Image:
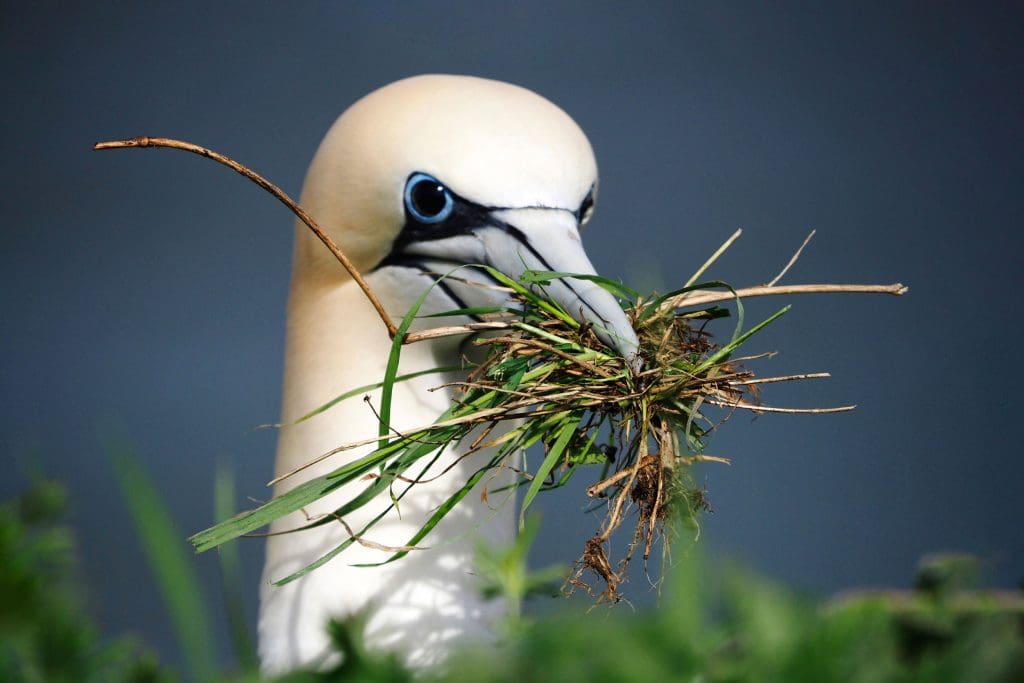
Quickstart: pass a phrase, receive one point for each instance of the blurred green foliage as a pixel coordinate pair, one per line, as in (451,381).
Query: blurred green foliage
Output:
(712,626)
(45,633)
(740,628)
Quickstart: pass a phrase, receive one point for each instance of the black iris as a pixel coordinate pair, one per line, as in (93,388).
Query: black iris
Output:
(426,199)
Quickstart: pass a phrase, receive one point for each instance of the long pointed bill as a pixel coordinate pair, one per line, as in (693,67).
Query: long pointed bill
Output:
(548,239)
(516,240)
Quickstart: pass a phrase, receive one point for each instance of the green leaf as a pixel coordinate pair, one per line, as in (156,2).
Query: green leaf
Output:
(439,514)
(231,574)
(330,555)
(532,297)
(552,458)
(172,567)
(724,352)
(653,305)
(391,371)
(478,310)
(544,277)
(370,387)
(298,497)
(414,451)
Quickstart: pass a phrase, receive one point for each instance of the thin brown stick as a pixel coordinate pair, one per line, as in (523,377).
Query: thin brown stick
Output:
(768,409)
(600,486)
(614,518)
(527,341)
(701,297)
(332,246)
(689,460)
(781,378)
(333,515)
(373,545)
(437,332)
(653,521)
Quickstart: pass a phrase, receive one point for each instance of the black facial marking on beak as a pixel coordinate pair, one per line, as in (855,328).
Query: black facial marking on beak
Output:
(434,212)
(443,231)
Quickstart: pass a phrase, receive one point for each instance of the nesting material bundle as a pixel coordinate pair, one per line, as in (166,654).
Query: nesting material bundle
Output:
(548,385)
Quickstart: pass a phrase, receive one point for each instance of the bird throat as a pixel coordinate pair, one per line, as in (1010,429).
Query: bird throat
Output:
(418,606)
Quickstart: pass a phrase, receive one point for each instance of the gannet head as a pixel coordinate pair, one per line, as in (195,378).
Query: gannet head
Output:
(433,172)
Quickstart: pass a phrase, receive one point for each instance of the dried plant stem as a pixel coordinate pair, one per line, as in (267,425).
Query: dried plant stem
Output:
(526,341)
(695,298)
(614,518)
(141,142)
(701,297)
(438,332)
(757,408)
(783,378)
(690,459)
(600,486)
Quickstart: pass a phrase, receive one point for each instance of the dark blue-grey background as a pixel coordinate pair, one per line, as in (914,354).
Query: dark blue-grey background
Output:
(146,289)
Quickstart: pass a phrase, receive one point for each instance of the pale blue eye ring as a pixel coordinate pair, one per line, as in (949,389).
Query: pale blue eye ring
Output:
(427,200)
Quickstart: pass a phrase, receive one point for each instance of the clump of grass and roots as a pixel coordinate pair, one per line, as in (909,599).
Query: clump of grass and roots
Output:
(552,379)
(638,433)
(548,380)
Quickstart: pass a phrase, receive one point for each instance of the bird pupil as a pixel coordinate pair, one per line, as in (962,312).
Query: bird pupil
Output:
(428,197)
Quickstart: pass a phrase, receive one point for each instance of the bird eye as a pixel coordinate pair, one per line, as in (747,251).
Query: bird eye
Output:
(586,208)
(426,199)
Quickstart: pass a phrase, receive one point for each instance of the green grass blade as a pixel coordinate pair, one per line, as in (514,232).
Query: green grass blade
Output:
(391,371)
(544,277)
(438,515)
(714,257)
(726,350)
(231,574)
(740,317)
(652,306)
(478,310)
(550,460)
(541,302)
(301,495)
(514,285)
(330,555)
(370,493)
(367,495)
(172,567)
(348,507)
(370,387)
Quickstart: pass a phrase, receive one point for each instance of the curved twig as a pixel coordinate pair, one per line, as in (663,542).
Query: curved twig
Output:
(331,245)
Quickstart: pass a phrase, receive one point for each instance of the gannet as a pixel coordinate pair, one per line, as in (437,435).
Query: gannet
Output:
(413,180)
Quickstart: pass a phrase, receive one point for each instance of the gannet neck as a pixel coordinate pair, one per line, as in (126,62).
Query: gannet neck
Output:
(427,600)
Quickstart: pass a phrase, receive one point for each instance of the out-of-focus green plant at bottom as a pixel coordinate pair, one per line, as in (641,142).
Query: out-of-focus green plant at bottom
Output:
(45,633)
(710,627)
(747,629)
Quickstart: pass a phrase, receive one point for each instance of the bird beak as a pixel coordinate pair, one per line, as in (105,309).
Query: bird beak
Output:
(516,240)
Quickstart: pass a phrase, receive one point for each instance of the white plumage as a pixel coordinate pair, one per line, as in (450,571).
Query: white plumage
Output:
(417,177)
